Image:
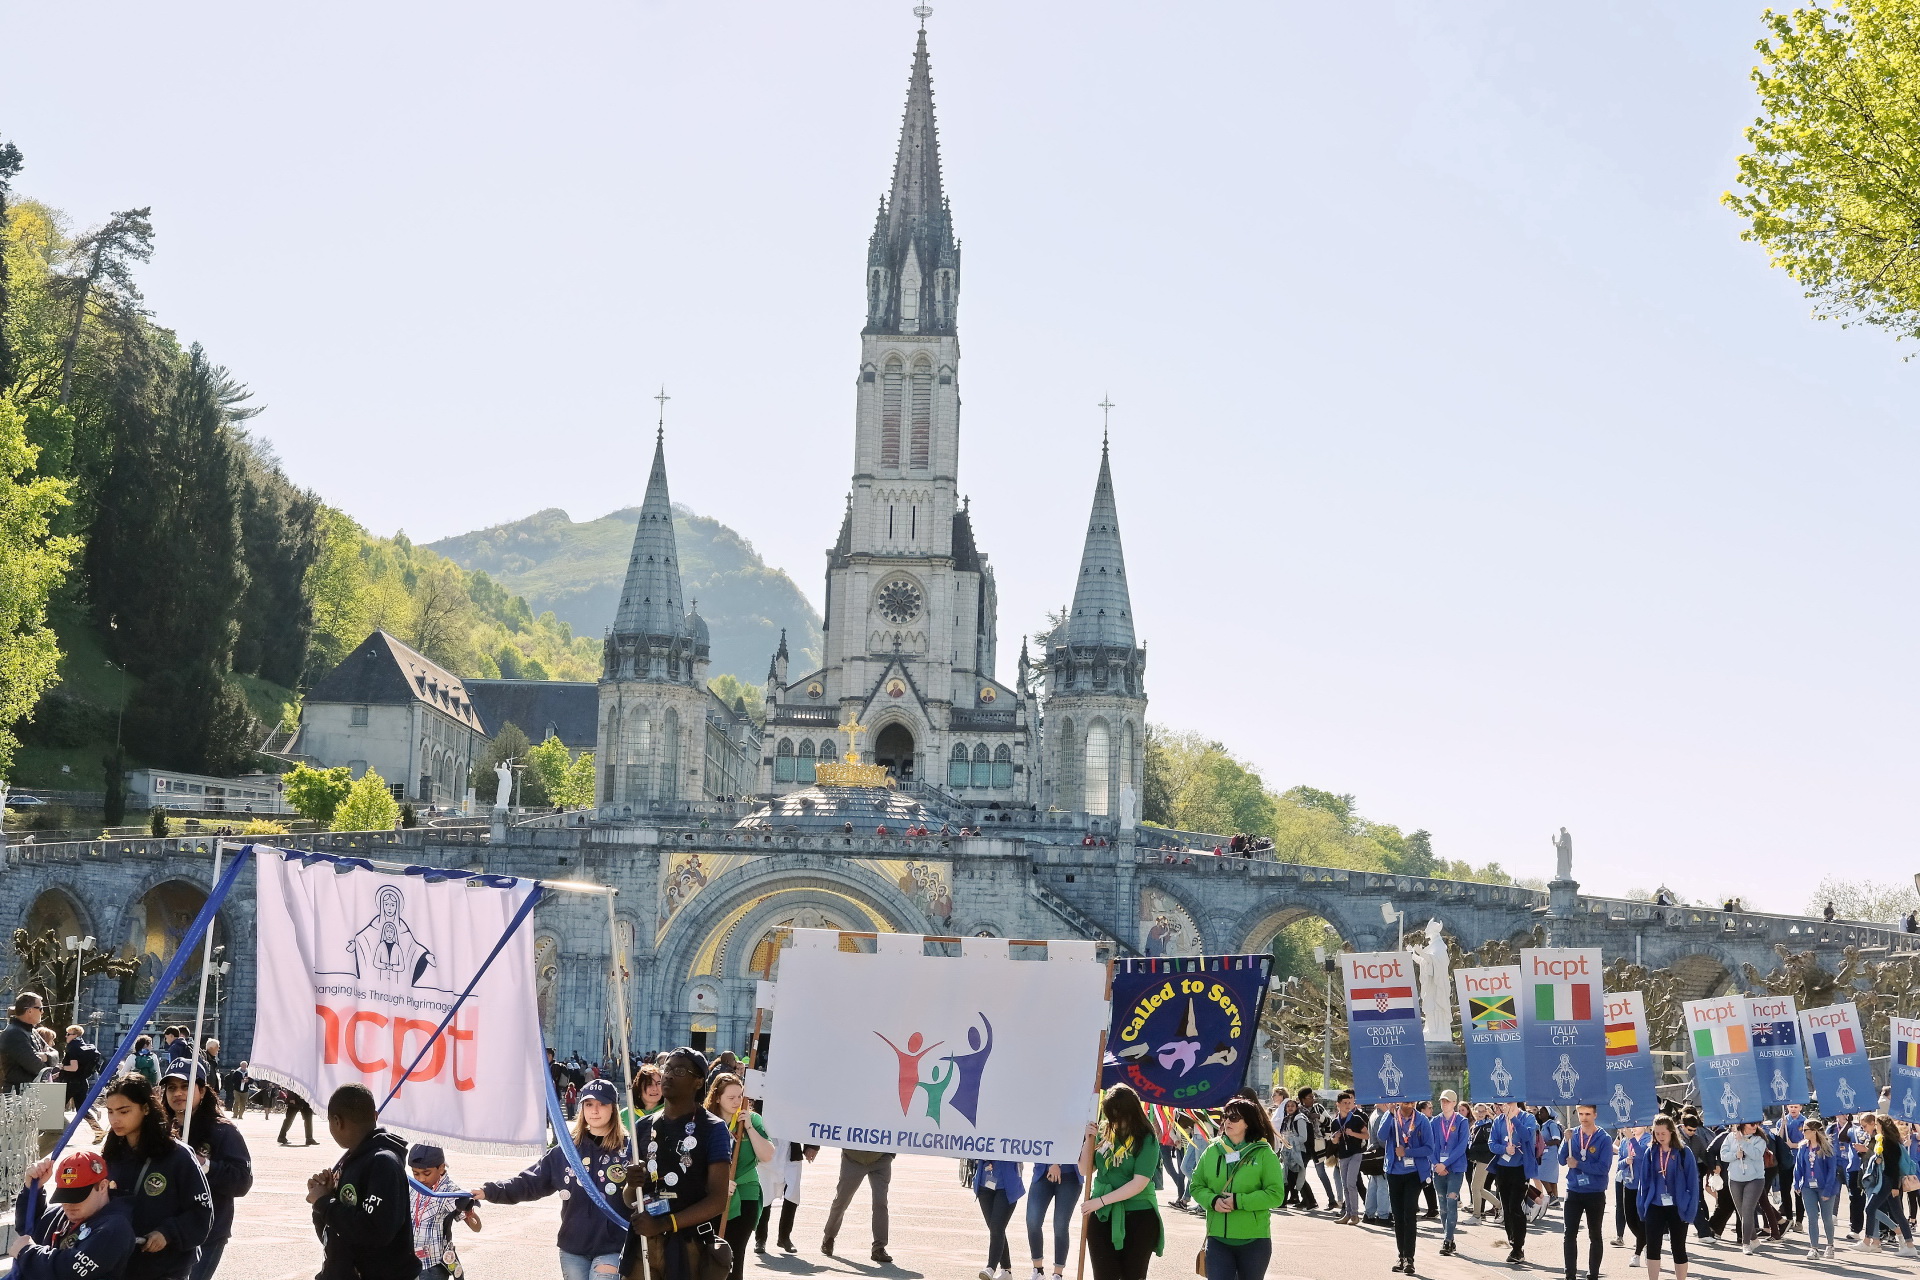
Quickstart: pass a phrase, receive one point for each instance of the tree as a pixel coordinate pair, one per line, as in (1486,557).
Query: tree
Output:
(369,806)
(550,761)
(733,691)
(41,962)
(280,538)
(105,279)
(509,746)
(1832,183)
(114,800)
(316,793)
(32,563)
(1864,900)
(10,164)
(577,792)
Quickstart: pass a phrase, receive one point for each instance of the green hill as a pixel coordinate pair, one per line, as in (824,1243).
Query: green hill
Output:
(575,569)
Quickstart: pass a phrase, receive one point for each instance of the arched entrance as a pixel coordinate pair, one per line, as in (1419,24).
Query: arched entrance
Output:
(155,927)
(894,749)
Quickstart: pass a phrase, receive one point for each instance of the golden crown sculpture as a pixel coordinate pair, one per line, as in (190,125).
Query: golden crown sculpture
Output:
(852,773)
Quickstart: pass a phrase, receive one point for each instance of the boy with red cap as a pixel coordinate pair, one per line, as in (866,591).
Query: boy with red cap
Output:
(82,1233)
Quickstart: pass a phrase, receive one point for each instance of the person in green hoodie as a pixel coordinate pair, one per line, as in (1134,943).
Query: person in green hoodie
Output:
(1117,1163)
(1241,1181)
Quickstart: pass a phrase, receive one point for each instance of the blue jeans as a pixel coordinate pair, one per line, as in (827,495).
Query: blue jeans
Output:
(1172,1160)
(1237,1259)
(580,1266)
(1063,1195)
(1447,1187)
(1820,1210)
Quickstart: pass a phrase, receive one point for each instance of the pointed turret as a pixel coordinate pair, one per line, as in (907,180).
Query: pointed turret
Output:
(913,261)
(1102,611)
(650,603)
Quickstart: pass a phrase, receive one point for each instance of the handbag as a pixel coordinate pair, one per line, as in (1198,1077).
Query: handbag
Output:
(1373,1161)
(1910,1182)
(1767,1160)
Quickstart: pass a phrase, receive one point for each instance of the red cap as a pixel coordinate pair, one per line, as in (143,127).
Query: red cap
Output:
(79,1173)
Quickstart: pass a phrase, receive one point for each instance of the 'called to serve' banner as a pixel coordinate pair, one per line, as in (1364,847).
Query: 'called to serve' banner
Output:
(1631,1075)
(1723,1069)
(357,969)
(1183,1026)
(981,1057)
(1383,1027)
(1903,1073)
(1774,1025)
(1490,1030)
(1561,1006)
(1837,1056)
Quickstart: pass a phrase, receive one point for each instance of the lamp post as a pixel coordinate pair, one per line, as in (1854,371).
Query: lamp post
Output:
(1393,915)
(79,947)
(220,968)
(1326,1054)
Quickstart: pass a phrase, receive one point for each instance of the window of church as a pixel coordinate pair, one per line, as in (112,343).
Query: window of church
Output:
(982,766)
(921,443)
(1002,767)
(783,761)
(829,751)
(1097,770)
(959,771)
(890,392)
(803,764)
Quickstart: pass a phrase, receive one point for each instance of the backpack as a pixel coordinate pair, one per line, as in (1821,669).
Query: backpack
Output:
(88,1059)
(144,1064)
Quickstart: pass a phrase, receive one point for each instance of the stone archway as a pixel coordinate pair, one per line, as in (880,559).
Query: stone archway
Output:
(60,911)
(893,747)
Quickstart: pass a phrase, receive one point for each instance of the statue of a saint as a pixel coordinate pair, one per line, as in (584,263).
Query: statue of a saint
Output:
(503,786)
(1436,988)
(1563,856)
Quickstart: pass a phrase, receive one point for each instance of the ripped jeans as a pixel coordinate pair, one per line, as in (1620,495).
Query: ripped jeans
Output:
(1447,1187)
(579,1266)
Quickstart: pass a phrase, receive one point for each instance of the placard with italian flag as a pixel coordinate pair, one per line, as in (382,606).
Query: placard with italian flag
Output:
(1773,1026)
(1837,1057)
(1631,1074)
(1562,999)
(1903,1068)
(1723,1063)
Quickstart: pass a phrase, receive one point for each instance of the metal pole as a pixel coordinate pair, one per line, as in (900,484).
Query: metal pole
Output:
(200,1010)
(79,967)
(620,996)
(1326,1062)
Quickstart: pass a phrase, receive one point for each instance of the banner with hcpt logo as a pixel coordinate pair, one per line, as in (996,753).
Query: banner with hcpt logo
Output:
(1561,1006)
(1723,1068)
(1490,1030)
(1773,1023)
(1183,1026)
(357,969)
(1837,1056)
(977,1058)
(1631,1074)
(1384,1034)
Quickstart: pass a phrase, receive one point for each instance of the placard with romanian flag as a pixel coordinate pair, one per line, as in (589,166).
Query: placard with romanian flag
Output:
(1490,1031)
(1384,1033)
(1723,1068)
(1903,1071)
(1837,1057)
(1562,1000)
(1773,1024)
(1631,1073)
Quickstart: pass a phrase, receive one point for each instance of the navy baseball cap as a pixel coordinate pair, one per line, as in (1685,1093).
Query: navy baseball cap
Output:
(600,1091)
(425,1156)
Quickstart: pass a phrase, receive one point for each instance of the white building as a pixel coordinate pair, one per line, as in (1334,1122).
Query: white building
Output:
(389,708)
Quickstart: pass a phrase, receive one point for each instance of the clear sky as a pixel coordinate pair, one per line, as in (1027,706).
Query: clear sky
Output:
(1467,460)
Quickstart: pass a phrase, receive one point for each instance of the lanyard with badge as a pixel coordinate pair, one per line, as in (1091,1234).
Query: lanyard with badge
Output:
(1666,1187)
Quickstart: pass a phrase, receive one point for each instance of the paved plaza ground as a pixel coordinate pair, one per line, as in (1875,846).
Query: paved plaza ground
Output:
(937,1234)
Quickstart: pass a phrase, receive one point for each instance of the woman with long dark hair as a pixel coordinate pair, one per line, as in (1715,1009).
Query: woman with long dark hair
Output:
(222,1152)
(1669,1196)
(1118,1161)
(590,1244)
(1239,1182)
(172,1209)
(1885,1167)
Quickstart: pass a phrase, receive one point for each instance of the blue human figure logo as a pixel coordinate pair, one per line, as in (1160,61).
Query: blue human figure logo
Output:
(970,1067)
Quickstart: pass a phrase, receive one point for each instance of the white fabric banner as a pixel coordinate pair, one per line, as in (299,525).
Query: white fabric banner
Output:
(976,1058)
(356,970)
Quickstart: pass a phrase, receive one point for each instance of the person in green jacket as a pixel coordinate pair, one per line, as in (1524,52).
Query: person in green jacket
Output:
(1117,1162)
(726,1098)
(1241,1181)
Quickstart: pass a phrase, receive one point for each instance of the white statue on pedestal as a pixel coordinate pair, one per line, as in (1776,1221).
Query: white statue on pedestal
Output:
(503,784)
(1436,988)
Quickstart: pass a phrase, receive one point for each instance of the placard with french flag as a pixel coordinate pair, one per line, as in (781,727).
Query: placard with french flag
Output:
(1562,1000)
(1837,1057)
(1631,1074)
(1723,1064)
(1903,1068)
(1773,1025)
(1490,1031)
(1388,1047)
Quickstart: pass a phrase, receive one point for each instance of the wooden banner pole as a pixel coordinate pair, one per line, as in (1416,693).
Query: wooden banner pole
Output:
(1086,1163)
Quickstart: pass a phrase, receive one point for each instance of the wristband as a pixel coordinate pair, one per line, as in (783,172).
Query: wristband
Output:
(673,1223)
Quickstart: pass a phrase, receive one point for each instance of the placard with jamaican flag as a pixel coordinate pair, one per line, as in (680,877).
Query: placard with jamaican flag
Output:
(1903,1070)
(1837,1057)
(1631,1073)
(1773,1022)
(1561,1005)
(1490,1030)
(1384,1033)
(1183,1026)
(1723,1069)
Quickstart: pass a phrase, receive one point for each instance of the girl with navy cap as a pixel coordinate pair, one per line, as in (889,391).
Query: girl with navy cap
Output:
(590,1242)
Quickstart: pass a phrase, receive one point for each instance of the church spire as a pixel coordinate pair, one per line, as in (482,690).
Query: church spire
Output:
(650,602)
(913,261)
(1102,610)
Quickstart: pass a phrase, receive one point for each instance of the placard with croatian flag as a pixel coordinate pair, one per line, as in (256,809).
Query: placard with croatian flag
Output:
(1723,1065)
(1903,1072)
(1561,1003)
(1773,1023)
(1837,1057)
(1490,1030)
(1631,1074)
(1388,1046)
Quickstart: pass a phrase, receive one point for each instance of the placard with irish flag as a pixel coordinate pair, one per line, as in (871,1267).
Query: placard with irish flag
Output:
(1631,1073)
(1562,999)
(1723,1066)
(1773,1024)
(1837,1057)
(1903,1069)
(1383,1027)
(1490,1031)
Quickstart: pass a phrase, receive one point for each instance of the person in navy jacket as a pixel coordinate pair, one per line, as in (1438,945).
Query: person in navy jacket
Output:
(222,1153)
(1451,1136)
(1669,1196)
(1407,1139)
(1511,1140)
(1586,1159)
(997,1186)
(161,1181)
(81,1232)
(590,1242)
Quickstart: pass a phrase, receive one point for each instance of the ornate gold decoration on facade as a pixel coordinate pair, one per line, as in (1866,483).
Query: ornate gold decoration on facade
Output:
(852,773)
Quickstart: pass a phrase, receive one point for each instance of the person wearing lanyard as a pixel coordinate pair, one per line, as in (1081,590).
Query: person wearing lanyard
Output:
(1511,1141)
(1793,1128)
(1449,1164)
(1117,1162)
(1409,1161)
(1351,1127)
(1586,1155)
(1241,1182)
(1669,1196)
(1817,1177)
(1629,1170)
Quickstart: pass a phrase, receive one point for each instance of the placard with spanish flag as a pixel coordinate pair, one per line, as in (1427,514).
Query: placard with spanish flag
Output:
(1561,1002)
(1773,1024)
(1903,1070)
(1837,1057)
(1490,1031)
(1723,1067)
(1631,1073)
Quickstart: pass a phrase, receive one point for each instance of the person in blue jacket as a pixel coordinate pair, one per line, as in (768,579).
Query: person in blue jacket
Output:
(1630,1156)
(161,1181)
(222,1153)
(1817,1180)
(1511,1141)
(1407,1143)
(1669,1196)
(996,1185)
(1451,1135)
(590,1242)
(81,1231)
(1586,1158)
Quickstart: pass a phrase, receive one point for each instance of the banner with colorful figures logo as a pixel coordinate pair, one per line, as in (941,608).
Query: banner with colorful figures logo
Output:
(977,1057)
(1183,1026)
(1384,1034)
(1773,1026)
(357,969)
(1631,1073)
(1723,1066)
(1837,1057)
(1903,1072)
(1561,1005)
(1490,1030)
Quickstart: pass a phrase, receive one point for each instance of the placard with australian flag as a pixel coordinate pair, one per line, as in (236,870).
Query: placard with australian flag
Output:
(1774,1023)
(1490,1031)
(1631,1074)
(1723,1068)
(1903,1071)
(1384,1032)
(1561,1008)
(1183,1026)
(1837,1056)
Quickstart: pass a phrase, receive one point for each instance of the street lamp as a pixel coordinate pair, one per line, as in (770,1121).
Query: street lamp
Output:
(220,968)
(1393,915)
(80,947)
(1325,962)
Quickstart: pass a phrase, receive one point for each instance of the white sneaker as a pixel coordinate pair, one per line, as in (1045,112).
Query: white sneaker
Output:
(1829,1254)
(1907,1250)
(1813,1254)
(1619,1241)
(1634,1261)
(1749,1247)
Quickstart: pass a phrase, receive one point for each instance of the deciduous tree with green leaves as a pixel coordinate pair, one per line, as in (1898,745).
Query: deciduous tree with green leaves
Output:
(316,793)
(32,563)
(369,806)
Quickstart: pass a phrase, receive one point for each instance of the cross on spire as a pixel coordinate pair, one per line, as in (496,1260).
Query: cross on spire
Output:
(1105,407)
(663,397)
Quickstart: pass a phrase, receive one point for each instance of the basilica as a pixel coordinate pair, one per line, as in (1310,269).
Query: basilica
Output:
(911,619)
